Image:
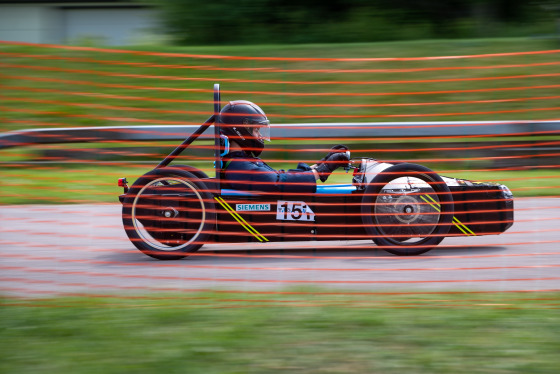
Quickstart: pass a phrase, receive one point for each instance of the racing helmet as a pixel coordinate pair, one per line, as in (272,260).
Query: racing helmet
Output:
(246,124)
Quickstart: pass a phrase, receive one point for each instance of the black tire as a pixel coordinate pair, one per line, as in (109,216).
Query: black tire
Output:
(407,209)
(169,213)
(197,172)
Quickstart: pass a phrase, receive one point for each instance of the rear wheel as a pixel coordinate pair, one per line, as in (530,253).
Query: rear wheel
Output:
(169,213)
(407,209)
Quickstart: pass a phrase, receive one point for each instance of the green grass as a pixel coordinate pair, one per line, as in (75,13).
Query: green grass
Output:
(43,87)
(224,333)
(98,183)
(86,182)
(88,88)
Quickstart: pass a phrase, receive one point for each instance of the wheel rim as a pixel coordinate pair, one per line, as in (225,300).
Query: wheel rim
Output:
(405,211)
(168,213)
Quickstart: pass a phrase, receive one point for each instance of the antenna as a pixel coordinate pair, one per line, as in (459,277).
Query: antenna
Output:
(217,99)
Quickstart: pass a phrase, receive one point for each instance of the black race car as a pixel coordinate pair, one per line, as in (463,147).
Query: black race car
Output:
(406,209)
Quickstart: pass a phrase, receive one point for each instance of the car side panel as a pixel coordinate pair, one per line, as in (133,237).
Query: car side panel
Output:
(481,209)
(289,218)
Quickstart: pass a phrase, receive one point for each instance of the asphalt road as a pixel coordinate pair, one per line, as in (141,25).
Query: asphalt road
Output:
(67,249)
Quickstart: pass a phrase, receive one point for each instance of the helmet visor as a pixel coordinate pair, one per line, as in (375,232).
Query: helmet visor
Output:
(261,129)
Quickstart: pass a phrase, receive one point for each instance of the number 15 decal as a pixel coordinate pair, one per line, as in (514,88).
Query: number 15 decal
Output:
(294,211)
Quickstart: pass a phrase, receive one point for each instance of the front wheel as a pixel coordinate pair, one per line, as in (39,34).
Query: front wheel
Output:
(407,209)
(169,213)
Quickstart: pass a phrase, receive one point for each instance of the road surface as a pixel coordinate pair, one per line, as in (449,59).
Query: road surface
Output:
(66,249)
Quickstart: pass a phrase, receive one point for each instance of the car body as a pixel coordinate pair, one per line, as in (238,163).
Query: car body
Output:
(406,209)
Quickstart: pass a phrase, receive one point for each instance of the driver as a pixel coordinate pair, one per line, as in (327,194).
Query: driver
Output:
(247,128)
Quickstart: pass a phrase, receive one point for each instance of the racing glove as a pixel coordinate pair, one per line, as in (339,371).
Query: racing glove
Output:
(336,149)
(330,163)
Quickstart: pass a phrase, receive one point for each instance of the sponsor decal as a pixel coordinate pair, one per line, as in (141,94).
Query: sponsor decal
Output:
(240,220)
(294,211)
(252,207)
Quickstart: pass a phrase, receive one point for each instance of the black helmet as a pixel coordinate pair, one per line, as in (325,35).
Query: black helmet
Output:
(238,121)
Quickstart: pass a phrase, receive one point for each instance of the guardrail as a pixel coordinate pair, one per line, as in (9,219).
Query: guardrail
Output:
(315,130)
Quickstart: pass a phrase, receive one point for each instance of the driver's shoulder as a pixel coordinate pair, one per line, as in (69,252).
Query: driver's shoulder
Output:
(242,160)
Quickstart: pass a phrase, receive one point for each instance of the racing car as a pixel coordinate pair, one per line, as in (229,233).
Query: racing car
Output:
(404,208)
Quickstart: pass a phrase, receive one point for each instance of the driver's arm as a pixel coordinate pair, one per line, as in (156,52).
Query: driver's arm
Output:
(337,157)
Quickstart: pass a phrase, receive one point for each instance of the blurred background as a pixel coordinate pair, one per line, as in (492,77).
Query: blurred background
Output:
(455,66)
(91,91)
(228,22)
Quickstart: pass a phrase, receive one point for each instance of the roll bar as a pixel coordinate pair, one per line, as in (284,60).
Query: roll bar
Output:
(212,120)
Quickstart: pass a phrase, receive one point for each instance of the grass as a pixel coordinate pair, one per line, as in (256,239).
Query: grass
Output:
(223,333)
(98,183)
(45,87)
